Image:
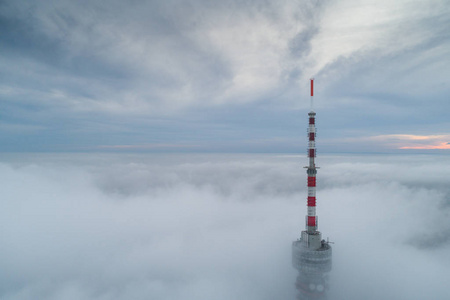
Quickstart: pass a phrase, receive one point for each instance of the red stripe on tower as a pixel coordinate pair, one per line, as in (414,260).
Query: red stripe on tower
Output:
(311,221)
(311,201)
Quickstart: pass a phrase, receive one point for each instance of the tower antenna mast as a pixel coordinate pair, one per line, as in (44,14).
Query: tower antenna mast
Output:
(311,255)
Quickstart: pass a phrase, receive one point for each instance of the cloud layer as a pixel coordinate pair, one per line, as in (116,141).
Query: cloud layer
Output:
(77,76)
(218,226)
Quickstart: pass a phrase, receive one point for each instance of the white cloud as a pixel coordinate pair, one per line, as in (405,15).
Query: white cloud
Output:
(105,226)
(374,29)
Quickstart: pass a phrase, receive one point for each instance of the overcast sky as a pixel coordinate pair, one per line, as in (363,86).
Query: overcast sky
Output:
(228,76)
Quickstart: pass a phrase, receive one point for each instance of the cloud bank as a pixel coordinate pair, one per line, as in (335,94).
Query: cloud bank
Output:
(76,76)
(107,226)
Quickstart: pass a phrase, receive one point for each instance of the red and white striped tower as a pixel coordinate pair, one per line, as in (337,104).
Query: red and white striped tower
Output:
(311,255)
(311,218)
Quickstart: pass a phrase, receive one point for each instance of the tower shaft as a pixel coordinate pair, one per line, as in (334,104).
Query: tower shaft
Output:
(311,218)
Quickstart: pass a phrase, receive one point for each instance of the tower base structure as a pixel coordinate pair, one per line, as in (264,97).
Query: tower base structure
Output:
(311,256)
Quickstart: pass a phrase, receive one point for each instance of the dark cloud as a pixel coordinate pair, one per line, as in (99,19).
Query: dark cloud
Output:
(309,15)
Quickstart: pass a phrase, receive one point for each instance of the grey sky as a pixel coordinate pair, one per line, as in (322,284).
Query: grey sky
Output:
(223,75)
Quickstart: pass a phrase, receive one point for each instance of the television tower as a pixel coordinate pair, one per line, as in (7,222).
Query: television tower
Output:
(311,255)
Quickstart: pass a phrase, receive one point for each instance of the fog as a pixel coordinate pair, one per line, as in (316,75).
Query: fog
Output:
(194,226)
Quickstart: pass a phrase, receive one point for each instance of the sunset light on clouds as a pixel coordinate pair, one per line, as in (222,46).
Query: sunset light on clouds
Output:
(410,141)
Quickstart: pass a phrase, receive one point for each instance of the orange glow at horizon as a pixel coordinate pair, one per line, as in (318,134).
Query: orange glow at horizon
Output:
(440,146)
(410,141)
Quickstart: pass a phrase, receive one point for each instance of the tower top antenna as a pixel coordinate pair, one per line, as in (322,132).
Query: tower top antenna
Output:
(312,94)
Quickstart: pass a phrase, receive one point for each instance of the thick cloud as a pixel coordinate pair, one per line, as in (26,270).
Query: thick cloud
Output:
(82,75)
(106,226)
(148,55)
